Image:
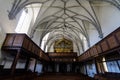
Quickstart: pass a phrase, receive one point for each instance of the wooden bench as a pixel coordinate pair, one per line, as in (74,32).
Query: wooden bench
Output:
(107,76)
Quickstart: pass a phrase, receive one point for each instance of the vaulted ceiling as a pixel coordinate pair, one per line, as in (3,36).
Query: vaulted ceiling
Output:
(68,18)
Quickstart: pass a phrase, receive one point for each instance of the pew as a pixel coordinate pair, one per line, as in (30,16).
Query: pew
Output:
(21,77)
(63,76)
(107,76)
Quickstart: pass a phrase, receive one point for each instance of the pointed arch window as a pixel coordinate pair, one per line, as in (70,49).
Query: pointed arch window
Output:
(27,18)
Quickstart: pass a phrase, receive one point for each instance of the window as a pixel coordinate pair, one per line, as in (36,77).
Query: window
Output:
(44,42)
(23,24)
(27,18)
(112,66)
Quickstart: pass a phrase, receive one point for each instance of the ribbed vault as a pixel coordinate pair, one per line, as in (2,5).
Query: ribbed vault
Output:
(68,18)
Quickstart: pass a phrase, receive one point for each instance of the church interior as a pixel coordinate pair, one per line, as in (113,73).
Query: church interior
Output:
(59,39)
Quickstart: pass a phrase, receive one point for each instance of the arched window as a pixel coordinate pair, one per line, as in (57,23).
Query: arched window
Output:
(44,40)
(27,18)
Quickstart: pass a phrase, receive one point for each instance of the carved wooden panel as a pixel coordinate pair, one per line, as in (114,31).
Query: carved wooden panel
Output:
(79,58)
(98,48)
(86,56)
(112,42)
(104,45)
(118,36)
(91,52)
(44,56)
(95,50)
(33,48)
(88,53)
(37,51)
(30,46)
(18,40)
(9,40)
(83,56)
(25,43)
(41,53)
(63,54)
(64,59)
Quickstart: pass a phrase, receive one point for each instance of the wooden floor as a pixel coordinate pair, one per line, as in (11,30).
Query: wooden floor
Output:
(63,76)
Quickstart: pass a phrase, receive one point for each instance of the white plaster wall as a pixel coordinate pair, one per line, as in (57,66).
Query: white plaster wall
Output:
(109,18)
(93,35)
(51,48)
(36,37)
(2,37)
(75,49)
(6,26)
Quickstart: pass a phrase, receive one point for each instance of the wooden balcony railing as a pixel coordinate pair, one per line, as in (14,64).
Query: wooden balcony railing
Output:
(22,41)
(105,46)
